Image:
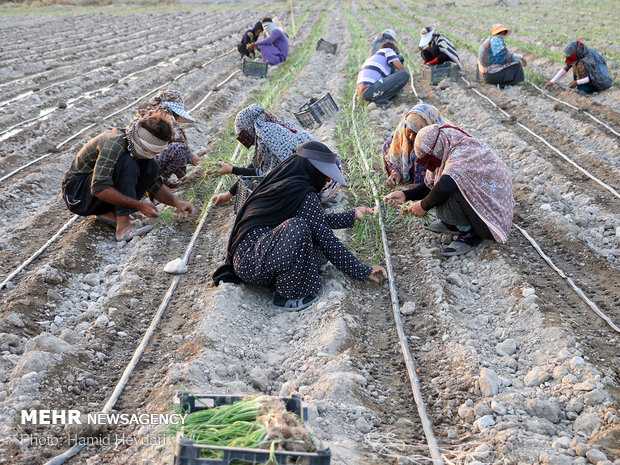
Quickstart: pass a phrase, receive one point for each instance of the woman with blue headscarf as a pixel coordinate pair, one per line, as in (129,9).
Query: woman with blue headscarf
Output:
(274,140)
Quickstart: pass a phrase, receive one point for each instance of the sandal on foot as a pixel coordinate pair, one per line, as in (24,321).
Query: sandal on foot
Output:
(463,244)
(133,232)
(442,228)
(105,220)
(293,305)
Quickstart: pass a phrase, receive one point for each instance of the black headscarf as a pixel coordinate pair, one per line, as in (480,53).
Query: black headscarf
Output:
(275,200)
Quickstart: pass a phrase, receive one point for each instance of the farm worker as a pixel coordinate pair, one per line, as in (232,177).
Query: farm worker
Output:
(274,48)
(398,153)
(250,36)
(590,72)
(496,64)
(382,75)
(436,49)
(172,160)
(113,171)
(274,141)
(281,235)
(388,34)
(468,184)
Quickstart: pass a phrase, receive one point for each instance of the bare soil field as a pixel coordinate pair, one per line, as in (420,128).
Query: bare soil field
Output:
(514,366)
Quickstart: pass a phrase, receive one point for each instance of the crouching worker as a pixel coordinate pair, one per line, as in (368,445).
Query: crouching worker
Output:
(282,236)
(113,171)
(274,48)
(398,152)
(590,72)
(436,49)
(467,183)
(496,64)
(249,37)
(382,75)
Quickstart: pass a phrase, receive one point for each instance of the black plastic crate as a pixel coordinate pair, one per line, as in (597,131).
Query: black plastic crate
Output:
(254,68)
(436,73)
(188,453)
(327,46)
(245,186)
(316,111)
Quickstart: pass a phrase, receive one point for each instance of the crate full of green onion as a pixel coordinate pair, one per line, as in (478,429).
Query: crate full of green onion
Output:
(236,430)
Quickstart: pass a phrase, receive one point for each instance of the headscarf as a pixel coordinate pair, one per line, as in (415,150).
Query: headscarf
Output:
(143,144)
(481,176)
(173,160)
(257,27)
(268,27)
(592,60)
(274,139)
(400,156)
(156,104)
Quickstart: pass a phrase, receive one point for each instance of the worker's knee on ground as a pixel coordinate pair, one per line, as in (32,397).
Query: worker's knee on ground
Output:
(298,230)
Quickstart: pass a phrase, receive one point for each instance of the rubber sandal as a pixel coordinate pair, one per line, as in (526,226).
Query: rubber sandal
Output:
(104,220)
(293,305)
(133,232)
(457,248)
(442,228)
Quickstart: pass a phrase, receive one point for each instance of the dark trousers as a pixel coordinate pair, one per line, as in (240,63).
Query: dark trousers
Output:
(432,53)
(131,177)
(386,88)
(456,211)
(509,76)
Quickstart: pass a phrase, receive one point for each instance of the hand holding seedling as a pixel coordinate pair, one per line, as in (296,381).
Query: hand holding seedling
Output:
(148,209)
(224,168)
(378,274)
(395,198)
(548,85)
(416,209)
(573,84)
(393,179)
(361,212)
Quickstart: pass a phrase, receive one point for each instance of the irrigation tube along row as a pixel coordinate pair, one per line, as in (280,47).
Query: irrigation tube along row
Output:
(72,220)
(111,115)
(534,244)
(544,141)
(409,361)
(109,405)
(587,113)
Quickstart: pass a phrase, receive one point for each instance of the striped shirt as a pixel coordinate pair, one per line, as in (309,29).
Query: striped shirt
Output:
(99,157)
(376,67)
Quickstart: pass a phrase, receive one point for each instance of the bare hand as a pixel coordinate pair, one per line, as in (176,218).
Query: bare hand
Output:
(250,46)
(395,198)
(523,62)
(361,212)
(221,198)
(417,210)
(224,168)
(184,207)
(573,84)
(148,209)
(393,179)
(549,85)
(378,274)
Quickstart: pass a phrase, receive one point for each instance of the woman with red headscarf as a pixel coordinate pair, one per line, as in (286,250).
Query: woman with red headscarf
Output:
(590,72)
(466,182)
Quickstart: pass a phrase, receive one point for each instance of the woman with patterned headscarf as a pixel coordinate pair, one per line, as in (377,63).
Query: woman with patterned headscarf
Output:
(274,140)
(590,72)
(398,153)
(467,183)
(168,103)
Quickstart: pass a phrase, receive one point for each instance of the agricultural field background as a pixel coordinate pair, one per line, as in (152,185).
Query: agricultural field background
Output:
(514,365)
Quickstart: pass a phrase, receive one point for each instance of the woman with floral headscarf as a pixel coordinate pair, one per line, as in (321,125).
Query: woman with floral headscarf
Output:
(274,141)
(467,183)
(168,103)
(590,72)
(398,153)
